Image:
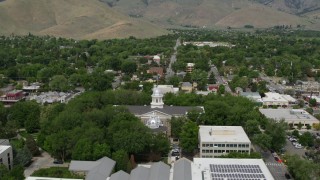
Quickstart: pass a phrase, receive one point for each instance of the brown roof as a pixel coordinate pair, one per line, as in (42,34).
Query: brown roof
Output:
(156,70)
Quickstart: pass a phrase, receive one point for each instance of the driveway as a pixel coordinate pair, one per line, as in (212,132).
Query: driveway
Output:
(43,161)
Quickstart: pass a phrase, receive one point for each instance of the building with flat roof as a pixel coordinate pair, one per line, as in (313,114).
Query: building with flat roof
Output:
(220,140)
(227,168)
(201,169)
(6,156)
(253,96)
(291,116)
(274,99)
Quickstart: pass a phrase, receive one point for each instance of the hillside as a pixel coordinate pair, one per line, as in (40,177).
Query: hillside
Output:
(221,13)
(80,19)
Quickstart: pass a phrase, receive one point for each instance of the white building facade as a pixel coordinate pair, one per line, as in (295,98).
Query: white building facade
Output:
(6,156)
(216,141)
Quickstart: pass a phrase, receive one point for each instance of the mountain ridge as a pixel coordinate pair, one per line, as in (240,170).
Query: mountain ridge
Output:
(77,19)
(217,13)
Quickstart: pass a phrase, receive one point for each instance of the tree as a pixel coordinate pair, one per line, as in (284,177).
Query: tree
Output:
(101,150)
(129,67)
(276,130)
(59,83)
(160,144)
(252,127)
(175,81)
(129,133)
(59,144)
(15,173)
(263,141)
(83,150)
(295,133)
(32,146)
(25,113)
(23,157)
(189,136)
(212,79)
(176,126)
(221,89)
(121,157)
(200,77)
(313,102)
(100,81)
(302,169)
(306,139)
(300,125)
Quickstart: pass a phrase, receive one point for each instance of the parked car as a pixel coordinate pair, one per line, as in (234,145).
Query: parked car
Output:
(293,139)
(287,175)
(298,146)
(174,153)
(57,161)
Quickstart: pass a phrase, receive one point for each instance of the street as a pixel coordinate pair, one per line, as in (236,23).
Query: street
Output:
(219,79)
(277,169)
(173,59)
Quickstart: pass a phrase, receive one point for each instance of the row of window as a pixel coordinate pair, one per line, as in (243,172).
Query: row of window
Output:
(224,151)
(226,145)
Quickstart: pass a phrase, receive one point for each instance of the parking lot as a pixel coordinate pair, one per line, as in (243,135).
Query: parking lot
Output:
(290,149)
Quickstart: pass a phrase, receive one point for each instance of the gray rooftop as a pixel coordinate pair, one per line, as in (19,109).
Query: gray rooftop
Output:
(171,110)
(186,84)
(102,170)
(182,170)
(159,171)
(96,170)
(140,173)
(4,142)
(81,165)
(288,114)
(120,175)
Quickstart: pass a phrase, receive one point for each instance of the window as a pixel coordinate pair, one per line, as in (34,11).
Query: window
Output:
(203,151)
(227,145)
(211,145)
(223,145)
(203,145)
